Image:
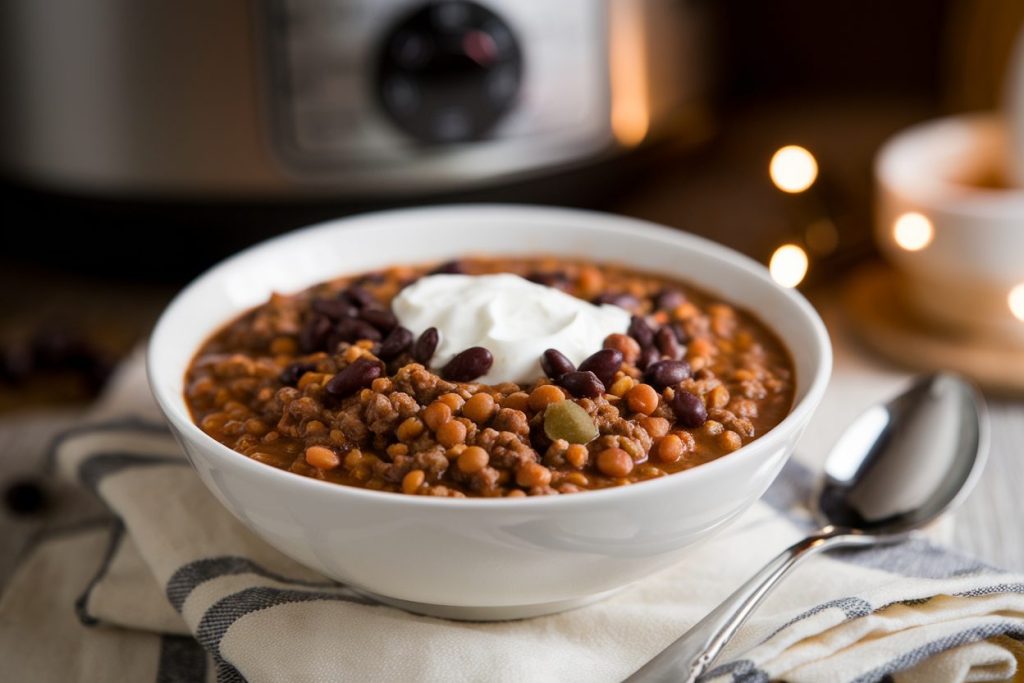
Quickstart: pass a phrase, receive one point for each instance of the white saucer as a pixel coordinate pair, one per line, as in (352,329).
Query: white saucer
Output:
(873,296)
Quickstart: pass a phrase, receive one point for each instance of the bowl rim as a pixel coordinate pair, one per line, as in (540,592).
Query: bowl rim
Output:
(175,409)
(907,151)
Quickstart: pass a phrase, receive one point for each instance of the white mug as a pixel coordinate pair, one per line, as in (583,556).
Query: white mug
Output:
(958,243)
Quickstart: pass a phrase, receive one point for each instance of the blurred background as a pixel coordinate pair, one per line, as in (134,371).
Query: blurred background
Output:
(141,141)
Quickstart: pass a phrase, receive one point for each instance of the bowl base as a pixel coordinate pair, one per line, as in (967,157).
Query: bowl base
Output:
(473,613)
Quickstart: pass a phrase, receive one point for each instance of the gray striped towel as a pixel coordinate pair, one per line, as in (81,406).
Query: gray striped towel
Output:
(176,589)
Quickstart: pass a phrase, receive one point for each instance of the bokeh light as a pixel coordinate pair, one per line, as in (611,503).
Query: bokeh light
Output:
(1016,301)
(788,265)
(793,169)
(913,231)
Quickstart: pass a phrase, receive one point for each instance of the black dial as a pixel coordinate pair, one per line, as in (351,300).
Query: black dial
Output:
(449,71)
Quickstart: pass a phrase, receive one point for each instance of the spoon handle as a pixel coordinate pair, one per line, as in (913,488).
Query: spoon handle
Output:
(689,656)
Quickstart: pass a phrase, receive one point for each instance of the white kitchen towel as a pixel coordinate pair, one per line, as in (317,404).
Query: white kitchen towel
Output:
(176,589)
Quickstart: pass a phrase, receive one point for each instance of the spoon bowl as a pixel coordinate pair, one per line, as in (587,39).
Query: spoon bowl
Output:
(903,463)
(896,468)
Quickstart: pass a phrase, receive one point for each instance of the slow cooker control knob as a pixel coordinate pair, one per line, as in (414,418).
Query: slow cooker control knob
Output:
(449,72)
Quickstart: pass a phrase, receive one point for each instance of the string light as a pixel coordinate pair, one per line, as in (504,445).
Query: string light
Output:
(793,169)
(788,265)
(913,231)
(1016,301)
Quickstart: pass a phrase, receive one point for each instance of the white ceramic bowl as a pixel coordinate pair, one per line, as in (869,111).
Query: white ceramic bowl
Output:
(479,558)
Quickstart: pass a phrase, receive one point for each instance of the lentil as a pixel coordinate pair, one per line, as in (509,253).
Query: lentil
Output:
(669,449)
(436,414)
(642,399)
(576,455)
(322,458)
(453,401)
(730,440)
(451,433)
(614,462)
(655,426)
(410,428)
(543,396)
(533,474)
(473,459)
(621,386)
(519,400)
(412,481)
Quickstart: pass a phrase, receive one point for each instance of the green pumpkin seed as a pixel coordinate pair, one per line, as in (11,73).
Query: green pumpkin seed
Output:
(567,420)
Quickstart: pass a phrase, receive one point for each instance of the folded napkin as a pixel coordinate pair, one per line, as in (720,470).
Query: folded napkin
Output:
(173,588)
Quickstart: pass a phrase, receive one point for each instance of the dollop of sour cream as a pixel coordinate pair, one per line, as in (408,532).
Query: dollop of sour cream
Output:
(513,318)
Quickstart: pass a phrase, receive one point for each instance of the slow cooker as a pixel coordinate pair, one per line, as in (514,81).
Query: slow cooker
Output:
(338,98)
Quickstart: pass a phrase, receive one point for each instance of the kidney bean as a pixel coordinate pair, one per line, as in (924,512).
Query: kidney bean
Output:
(335,309)
(381,318)
(555,364)
(669,299)
(352,330)
(666,341)
(538,439)
(358,296)
(557,279)
(448,268)
(620,299)
(372,278)
(424,348)
(25,497)
(666,373)
(17,363)
(581,384)
(648,356)
(313,335)
(680,333)
(357,375)
(605,363)
(468,365)
(689,409)
(640,330)
(56,348)
(292,373)
(397,342)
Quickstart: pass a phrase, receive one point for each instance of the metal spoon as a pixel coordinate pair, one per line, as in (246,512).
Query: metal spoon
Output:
(896,468)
